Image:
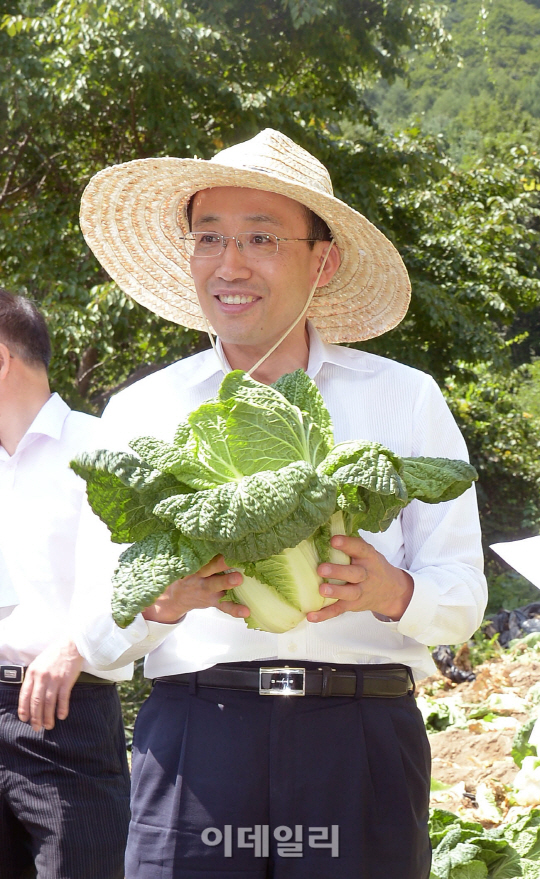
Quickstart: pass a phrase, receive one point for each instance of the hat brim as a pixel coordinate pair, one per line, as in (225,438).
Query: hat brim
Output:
(133,215)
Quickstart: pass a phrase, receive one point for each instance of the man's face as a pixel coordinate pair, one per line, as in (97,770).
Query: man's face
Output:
(252,301)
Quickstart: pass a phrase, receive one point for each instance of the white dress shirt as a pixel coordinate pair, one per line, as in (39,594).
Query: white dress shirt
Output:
(369,397)
(40,507)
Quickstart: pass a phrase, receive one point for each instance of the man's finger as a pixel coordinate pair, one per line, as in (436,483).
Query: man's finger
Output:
(233,609)
(346,592)
(214,566)
(353,546)
(327,613)
(222,582)
(23,708)
(37,700)
(348,573)
(49,705)
(62,704)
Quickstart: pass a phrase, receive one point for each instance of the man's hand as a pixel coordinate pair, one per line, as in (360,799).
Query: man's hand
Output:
(204,589)
(371,583)
(47,685)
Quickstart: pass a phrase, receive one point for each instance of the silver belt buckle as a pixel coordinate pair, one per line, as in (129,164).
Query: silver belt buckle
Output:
(282,681)
(11,674)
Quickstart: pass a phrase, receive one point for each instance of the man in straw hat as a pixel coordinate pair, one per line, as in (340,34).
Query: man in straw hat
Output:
(254,246)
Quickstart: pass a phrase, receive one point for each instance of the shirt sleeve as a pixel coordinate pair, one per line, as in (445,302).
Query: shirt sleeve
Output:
(102,643)
(442,547)
(99,640)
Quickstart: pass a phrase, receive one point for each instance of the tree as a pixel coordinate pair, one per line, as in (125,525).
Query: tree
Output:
(88,84)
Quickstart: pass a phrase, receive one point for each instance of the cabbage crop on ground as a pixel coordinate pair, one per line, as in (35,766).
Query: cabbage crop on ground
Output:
(253,475)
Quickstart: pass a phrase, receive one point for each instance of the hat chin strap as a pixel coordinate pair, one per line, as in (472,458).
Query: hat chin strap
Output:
(285,334)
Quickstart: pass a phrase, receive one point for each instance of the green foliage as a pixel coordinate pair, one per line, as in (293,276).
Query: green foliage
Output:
(465,850)
(523,833)
(482,649)
(508,590)
(246,512)
(469,242)
(439,714)
(520,743)
(132,694)
(504,443)
(486,92)
(528,395)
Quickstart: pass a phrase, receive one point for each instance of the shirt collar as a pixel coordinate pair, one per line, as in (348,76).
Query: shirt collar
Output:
(48,422)
(320,353)
(50,419)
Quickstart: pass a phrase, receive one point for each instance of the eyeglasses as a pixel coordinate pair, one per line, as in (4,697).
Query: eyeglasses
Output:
(259,245)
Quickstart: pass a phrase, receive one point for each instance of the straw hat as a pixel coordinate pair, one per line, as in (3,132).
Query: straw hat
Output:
(132,217)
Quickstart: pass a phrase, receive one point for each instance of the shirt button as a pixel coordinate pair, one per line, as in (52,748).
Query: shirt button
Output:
(292,647)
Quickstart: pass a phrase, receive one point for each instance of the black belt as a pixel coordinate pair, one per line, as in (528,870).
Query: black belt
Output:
(14,674)
(381,681)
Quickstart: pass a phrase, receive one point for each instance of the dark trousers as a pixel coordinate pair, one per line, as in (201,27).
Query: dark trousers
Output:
(64,793)
(233,784)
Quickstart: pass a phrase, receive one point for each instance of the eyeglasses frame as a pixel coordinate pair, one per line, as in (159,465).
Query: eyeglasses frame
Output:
(226,238)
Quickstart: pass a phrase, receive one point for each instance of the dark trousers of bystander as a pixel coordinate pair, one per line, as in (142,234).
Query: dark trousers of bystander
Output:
(64,793)
(237,785)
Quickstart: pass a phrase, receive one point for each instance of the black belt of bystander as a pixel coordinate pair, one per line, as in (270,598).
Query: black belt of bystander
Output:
(14,674)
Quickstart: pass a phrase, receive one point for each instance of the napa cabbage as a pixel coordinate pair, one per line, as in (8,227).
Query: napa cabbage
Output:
(254,475)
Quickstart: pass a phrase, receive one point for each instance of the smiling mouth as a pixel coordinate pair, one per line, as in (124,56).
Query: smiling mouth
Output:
(235,298)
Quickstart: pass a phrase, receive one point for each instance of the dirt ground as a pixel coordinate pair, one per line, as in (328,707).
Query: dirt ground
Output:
(476,761)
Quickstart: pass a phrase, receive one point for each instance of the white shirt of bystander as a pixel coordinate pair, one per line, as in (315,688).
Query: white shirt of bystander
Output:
(40,506)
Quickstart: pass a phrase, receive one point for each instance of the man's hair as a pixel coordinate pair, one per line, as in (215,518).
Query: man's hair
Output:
(23,329)
(317,229)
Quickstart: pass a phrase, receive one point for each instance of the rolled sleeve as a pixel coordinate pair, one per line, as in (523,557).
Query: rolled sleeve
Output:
(442,542)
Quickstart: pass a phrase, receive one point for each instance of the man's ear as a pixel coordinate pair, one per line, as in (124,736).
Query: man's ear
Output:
(332,264)
(5,361)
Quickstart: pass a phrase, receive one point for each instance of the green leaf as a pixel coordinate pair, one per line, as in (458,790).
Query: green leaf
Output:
(531,869)
(373,456)
(433,480)
(122,491)
(180,462)
(147,568)
(258,516)
(366,510)
(302,392)
(321,539)
(523,833)
(184,437)
(509,866)
(381,510)
(445,825)
(209,425)
(520,742)
(375,473)
(371,492)
(266,432)
(472,870)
